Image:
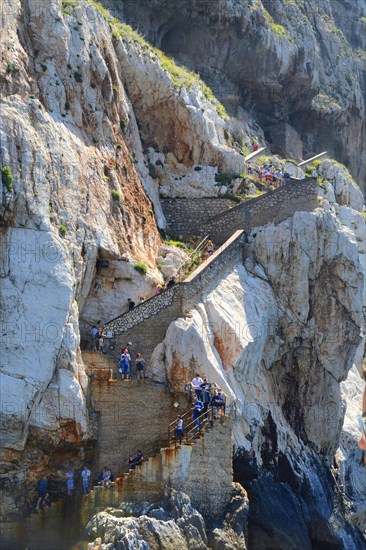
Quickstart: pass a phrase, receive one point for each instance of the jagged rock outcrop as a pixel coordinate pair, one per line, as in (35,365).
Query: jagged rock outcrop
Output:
(172,524)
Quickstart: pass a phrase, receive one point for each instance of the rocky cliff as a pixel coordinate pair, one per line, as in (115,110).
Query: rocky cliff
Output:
(294,63)
(95,123)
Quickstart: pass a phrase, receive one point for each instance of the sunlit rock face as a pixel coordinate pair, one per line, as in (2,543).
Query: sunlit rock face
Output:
(61,137)
(278,335)
(296,63)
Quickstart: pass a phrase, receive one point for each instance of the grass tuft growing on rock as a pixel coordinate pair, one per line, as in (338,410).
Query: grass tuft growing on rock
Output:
(141,268)
(180,75)
(62,230)
(116,195)
(7,178)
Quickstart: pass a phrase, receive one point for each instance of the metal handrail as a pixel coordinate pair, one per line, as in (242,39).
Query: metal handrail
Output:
(198,250)
(202,420)
(182,416)
(172,425)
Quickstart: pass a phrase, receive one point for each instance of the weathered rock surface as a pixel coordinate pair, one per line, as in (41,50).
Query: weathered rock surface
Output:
(59,222)
(300,63)
(172,524)
(279,340)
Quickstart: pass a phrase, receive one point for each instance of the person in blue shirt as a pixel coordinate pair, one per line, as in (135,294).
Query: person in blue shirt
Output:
(198,410)
(42,494)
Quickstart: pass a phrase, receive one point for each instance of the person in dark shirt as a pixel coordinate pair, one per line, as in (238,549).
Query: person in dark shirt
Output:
(131,304)
(171,283)
(140,366)
(218,403)
(135,460)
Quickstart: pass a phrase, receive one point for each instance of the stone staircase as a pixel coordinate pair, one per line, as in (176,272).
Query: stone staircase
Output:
(202,469)
(136,415)
(190,467)
(147,323)
(131,415)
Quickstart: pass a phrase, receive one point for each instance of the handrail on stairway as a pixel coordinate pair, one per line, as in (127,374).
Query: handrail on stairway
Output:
(198,250)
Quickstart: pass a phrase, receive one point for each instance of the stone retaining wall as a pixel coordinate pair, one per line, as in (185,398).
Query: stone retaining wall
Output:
(185,216)
(145,326)
(275,206)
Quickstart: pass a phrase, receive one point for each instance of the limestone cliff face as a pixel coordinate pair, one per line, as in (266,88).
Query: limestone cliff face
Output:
(61,135)
(278,335)
(301,63)
(86,112)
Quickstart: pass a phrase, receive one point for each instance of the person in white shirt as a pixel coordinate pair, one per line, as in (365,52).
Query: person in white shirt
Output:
(180,429)
(196,386)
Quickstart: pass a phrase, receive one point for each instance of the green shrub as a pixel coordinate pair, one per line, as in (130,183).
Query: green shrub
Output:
(10,68)
(178,244)
(235,198)
(159,266)
(7,177)
(116,195)
(118,146)
(141,268)
(62,230)
(225,178)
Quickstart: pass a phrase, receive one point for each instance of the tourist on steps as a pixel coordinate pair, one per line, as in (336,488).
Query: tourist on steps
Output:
(197,411)
(218,403)
(85,478)
(135,460)
(94,333)
(196,386)
(69,482)
(140,367)
(105,477)
(210,248)
(206,395)
(171,283)
(125,365)
(179,430)
(131,304)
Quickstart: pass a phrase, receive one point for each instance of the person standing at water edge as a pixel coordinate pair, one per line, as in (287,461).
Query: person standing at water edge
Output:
(85,477)
(69,482)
